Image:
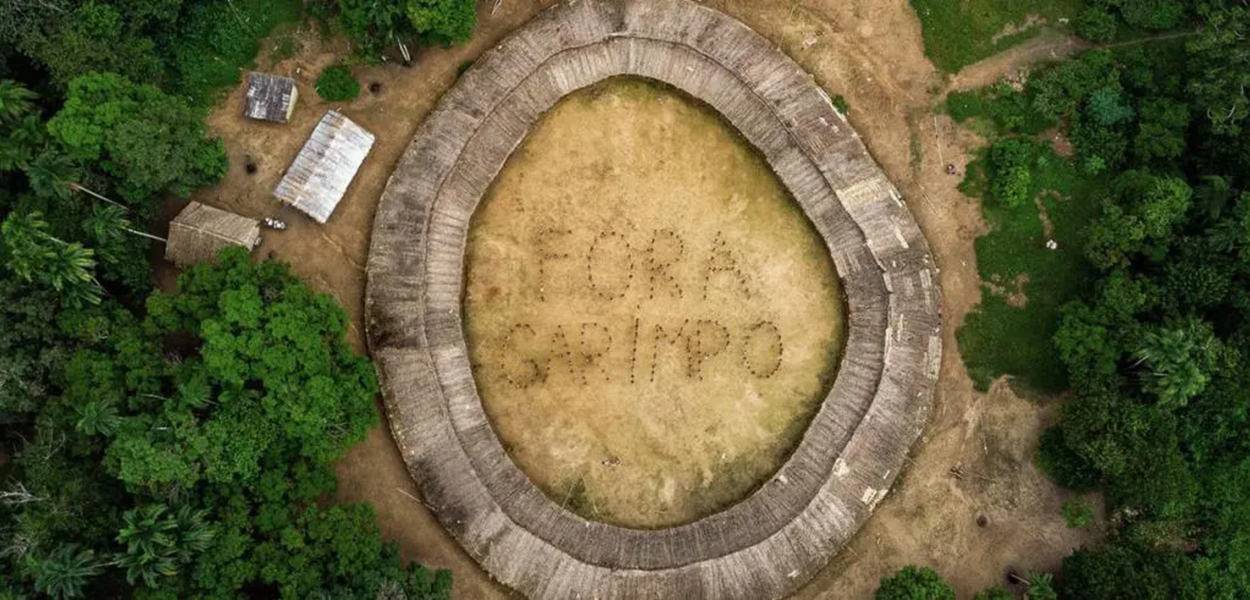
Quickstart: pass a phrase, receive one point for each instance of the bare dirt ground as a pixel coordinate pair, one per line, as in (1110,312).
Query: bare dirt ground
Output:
(652,321)
(870,52)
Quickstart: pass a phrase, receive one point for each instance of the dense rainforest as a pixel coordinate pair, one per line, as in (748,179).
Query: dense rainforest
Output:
(1146,343)
(169,445)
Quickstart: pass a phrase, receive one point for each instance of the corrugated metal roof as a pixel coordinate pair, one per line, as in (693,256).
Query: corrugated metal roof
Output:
(269,97)
(325,166)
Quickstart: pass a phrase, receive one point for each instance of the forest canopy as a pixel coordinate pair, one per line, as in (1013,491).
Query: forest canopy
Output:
(164,445)
(1152,330)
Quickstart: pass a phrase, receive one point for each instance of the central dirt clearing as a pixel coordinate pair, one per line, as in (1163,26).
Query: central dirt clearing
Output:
(651,319)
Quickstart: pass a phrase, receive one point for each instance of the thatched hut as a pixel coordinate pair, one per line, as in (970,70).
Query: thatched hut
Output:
(771,542)
(270,97)
(325,166)
(199,231)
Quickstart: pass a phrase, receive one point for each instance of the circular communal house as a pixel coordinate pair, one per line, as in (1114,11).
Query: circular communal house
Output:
(772,541)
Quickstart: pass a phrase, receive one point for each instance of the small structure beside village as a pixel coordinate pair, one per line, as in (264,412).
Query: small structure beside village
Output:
(270,97)
(320,174)
(199,231)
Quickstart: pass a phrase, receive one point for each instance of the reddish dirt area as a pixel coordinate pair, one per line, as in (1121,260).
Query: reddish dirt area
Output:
(868,51)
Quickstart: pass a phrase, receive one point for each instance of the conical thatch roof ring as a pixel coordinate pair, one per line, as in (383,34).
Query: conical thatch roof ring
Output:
(773,541)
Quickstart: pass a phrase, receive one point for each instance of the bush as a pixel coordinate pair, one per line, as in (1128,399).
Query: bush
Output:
(994,593)
(336,84)
(914,583)
(1077,513)
(1010,175)
(840,103)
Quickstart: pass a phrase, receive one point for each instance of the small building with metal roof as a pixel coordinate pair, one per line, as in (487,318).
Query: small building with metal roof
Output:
(320,174)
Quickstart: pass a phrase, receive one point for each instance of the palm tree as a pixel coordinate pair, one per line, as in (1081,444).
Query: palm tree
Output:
(1175,361)
(1041,587)
(51,174)
(64,574)
(20,142)
(16,101)
(98,417)
(148,534)
(34,254)
(158,541)
(107,223)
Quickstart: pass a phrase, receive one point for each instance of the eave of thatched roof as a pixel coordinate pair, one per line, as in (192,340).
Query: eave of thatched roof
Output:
(199,231)
(320,174)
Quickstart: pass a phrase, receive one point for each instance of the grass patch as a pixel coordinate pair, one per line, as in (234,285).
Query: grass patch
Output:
(962,106)
(997,338)
(958,33)
(840,103)
(996,111)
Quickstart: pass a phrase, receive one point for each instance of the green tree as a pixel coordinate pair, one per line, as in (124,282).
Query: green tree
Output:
(914,583)
(1145,209)
(72,39)
(150,142)
(448,21)
(65,573)
(1220,61)
(1041,587)
(1161,132)
(1151,14)
(1095,23)
(1010,172)
(16,101)
(1107,106)
(373,24)
(1179,360)
(159,541)
(35,255)
(994,593)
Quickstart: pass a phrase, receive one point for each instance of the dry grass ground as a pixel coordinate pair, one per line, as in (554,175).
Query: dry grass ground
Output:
(652,320)
(871,53)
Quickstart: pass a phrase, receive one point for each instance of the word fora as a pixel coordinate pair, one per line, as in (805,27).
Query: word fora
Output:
(611,263)
(589,352)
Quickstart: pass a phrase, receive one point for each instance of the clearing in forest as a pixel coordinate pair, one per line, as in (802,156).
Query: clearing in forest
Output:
(958,33)
(651,319)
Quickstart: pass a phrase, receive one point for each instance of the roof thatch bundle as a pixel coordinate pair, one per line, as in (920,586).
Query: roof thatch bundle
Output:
(199,231)
(768,544)
(325,166)
(270,97)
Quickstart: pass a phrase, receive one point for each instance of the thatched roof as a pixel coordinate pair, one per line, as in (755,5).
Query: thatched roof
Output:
(769,543)
(270,97)
(325,166)
(199,231)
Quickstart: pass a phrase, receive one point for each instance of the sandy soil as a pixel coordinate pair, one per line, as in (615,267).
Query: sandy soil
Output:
(870,52)
(652,321)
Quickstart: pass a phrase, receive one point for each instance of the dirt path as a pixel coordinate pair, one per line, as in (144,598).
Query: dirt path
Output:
(1050,46)
(870,52)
